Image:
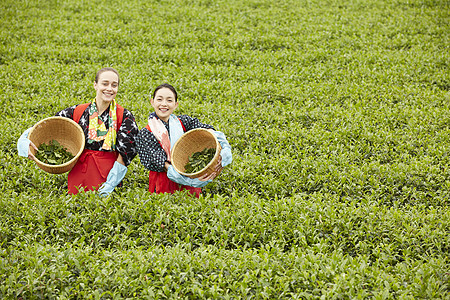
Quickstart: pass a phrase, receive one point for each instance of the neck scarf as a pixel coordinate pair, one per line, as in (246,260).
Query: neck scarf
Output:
(97,129)
(160,132)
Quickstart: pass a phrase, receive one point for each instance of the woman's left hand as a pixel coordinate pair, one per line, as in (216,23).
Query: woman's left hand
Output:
(219,167)
(214,174)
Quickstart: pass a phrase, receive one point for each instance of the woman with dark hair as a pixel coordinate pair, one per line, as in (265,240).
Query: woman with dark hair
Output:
(155,141)
(109,131)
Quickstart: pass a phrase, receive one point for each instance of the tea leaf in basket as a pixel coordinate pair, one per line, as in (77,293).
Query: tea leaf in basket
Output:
(199,160)
(53,153)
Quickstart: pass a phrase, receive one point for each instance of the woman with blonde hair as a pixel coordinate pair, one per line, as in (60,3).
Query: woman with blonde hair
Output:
(109,131)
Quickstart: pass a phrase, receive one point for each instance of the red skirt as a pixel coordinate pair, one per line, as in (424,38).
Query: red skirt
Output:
(160,183)
(91,170)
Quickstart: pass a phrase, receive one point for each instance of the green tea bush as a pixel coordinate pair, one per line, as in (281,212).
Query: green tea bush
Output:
(337,114)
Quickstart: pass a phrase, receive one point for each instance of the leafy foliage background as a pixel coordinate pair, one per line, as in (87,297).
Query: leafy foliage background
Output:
(337,112)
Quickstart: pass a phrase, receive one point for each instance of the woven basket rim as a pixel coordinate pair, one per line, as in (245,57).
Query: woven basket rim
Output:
(75,157)
(193,131)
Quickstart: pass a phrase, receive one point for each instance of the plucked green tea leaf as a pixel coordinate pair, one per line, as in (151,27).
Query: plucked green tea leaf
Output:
(53,153)
(199,160)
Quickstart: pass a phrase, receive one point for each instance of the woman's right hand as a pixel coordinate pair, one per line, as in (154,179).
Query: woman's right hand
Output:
(30,154)
(23,145)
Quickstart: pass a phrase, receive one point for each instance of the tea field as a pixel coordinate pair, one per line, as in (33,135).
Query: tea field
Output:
(338,115)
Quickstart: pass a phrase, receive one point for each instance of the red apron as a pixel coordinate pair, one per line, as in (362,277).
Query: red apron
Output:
(160,183)
(91,170)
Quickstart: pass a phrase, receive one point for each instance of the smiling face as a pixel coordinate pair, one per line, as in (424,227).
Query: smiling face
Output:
(106,86)
(164,103)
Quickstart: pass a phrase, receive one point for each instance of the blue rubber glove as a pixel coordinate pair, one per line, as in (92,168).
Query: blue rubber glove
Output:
(227,157)
(23,144)
(115,176)
(173,175)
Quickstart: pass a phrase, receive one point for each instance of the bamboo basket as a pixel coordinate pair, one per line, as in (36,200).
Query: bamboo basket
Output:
(64,130)
(194,141)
